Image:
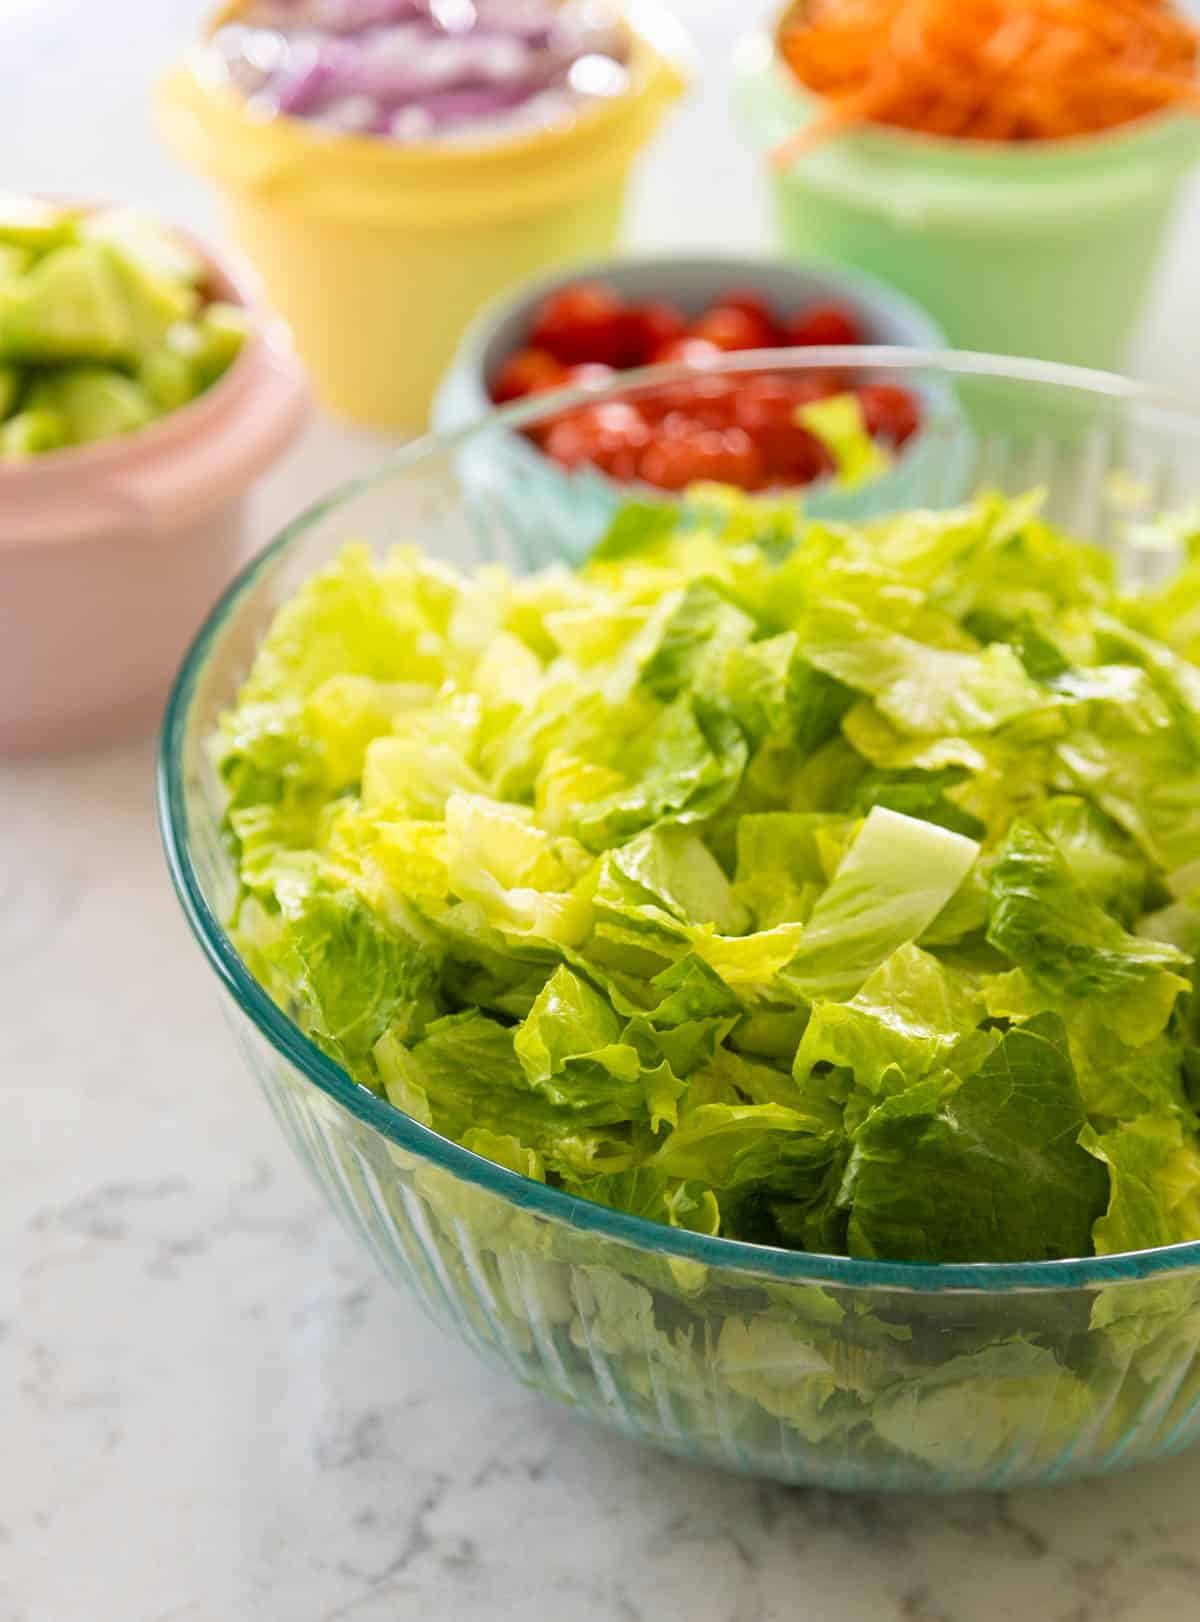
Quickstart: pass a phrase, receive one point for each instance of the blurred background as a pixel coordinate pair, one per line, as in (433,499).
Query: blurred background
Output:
(67,66)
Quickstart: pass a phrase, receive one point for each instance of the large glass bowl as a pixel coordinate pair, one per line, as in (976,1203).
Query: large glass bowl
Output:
(814,1369)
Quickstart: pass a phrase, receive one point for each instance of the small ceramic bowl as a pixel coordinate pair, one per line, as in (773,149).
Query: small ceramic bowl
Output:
(1039,248)
(887,318)
(377,252)
(112,553)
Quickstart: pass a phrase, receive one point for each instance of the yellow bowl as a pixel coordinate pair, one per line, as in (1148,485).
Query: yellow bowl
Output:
(377,254)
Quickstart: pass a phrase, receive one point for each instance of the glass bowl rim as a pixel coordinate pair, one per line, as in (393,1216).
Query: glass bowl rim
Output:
(582,1215)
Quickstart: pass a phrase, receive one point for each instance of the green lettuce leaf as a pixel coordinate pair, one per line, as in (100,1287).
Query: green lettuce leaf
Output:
(895,879)
(930,1176)
(346,974)
(910,1015)
(1154,1166)
(1048,925)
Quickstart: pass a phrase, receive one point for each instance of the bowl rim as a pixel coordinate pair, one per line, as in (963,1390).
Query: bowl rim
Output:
(540,1199)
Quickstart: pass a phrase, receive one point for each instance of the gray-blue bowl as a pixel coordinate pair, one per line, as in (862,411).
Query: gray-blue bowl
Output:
(579,504)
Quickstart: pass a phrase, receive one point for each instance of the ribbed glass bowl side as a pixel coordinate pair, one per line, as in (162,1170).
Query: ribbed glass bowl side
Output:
(845,1374)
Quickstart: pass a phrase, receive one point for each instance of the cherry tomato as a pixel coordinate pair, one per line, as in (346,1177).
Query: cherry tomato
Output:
(766,406)
(680,425)
(619,417)
(766,410)
(756,307)
(890,412)
(583,322)
(686,351)
(671,464)
(732,330)
(737,460)
(710,401)
(820,382)
(571,439)
(823,324)
(526,372)
(593,372)
(801,460)
(648,327)
(728,456)
(609,436)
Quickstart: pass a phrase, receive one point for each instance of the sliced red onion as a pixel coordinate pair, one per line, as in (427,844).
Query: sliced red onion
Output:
(419,69)
(462,106)
(318,74)
(353,16)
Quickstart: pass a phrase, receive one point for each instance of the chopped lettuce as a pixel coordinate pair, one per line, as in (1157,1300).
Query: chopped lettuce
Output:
(980,1170)
(894,881)
(823,885)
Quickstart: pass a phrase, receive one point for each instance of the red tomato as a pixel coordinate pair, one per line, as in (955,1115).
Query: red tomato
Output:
(583,322)
(571,439)
(687,351)
(728,456)
(609,436)
(648,328)
(670,464)
(619,417)
(890,412)
(731,330)
(820,383)
(802,460)
(593,372)
(680,425)
(753,304)
(526,372)
(823,324)
(710,401)
(766,411)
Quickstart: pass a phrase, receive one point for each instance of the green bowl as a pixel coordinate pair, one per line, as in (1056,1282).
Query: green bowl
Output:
(1042,249)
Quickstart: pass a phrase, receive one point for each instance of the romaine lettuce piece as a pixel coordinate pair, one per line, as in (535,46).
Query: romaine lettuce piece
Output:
(932,1174)
(897,876)
(838,422)
(980,1411)
(910,1016)
(1154,1165)
(1069,946)
(349,974)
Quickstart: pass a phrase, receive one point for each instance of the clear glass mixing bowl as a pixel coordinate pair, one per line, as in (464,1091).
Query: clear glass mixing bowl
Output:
(813,1369)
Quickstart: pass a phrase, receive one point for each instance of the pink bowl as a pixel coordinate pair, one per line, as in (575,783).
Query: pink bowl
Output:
(111,554)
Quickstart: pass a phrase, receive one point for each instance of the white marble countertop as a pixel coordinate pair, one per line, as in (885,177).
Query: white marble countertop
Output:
(211,1410)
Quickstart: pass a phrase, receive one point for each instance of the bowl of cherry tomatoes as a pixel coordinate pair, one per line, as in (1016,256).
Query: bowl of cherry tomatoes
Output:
(579,330)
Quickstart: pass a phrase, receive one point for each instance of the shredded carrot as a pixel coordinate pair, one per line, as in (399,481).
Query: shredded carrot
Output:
(988,70)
